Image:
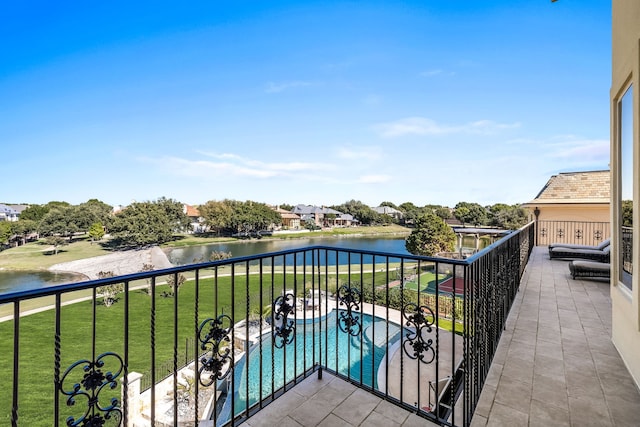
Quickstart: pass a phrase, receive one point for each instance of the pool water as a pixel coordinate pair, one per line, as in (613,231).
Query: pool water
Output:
(357,357)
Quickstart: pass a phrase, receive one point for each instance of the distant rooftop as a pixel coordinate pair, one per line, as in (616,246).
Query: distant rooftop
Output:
(576,187)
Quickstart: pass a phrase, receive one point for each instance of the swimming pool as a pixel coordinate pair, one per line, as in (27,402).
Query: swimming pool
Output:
(321,337)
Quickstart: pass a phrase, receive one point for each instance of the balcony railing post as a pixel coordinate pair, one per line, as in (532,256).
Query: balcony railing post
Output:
(131,395)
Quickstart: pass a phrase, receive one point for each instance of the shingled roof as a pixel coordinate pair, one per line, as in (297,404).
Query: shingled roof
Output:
(576,187)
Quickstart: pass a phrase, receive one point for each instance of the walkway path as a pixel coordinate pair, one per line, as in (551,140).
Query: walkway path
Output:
(556,364)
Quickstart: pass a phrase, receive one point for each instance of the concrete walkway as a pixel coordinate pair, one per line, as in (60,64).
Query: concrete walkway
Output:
(555,366)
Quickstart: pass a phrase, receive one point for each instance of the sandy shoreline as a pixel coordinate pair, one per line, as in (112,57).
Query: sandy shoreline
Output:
(120,263)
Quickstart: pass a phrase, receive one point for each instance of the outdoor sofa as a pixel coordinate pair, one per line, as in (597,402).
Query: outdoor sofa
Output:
(598,253)
(590,269)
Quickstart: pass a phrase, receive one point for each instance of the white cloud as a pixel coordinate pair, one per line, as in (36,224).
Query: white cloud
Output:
(367,153)
(431,73)
(229,164)
(581,150)
(487,127)
(437,72)
(411,126)
(279,87)
(425,126)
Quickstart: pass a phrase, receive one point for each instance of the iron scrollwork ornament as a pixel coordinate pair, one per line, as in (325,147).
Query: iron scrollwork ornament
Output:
(417,345)
(351,297)
(284,327)
(213,335)
(93,382)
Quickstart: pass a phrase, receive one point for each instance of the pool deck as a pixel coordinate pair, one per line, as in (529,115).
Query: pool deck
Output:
(555,366)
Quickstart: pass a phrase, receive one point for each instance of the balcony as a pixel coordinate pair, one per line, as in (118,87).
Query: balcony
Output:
(328,337)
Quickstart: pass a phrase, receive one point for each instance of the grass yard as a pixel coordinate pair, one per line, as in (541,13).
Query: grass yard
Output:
(37,256)
(426,282)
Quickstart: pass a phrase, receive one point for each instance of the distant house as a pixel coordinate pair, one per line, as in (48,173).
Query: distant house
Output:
(196,221)
(323,216)
(574,196)
(388,210)
(290,220)
(9,213)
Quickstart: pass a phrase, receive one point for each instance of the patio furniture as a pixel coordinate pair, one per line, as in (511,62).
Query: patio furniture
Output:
(588,254)
(600,247)
(580,268)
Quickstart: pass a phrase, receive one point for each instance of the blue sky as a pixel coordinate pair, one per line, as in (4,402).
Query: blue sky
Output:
(301,102)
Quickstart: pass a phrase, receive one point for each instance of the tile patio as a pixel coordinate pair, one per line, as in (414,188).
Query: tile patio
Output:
(555,366)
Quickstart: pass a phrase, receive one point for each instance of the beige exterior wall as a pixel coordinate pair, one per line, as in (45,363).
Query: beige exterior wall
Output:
(625,72)
(572,212)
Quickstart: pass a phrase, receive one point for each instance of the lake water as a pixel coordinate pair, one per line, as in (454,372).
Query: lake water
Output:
(192,254)
(18,281)
(13,281)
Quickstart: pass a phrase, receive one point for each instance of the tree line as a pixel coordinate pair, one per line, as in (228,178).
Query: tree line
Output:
(155,222)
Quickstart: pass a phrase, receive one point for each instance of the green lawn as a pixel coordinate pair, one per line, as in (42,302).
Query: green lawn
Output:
(37,256)
(427,282)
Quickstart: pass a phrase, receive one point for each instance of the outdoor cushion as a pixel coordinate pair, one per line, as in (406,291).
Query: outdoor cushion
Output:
(601,246)
(581,268)
(589,254)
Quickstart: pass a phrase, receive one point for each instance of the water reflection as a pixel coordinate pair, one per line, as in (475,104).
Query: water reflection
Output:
(13,281)
(188,255)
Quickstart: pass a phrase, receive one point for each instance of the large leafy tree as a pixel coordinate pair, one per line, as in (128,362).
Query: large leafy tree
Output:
(627,213)
(443,212)
(359,211)
(5,232)
(24,227)
(148,223)
(91,212)
(56,204)
(61,221)
(56,242)
(252,216)
(508,217)
(34,212)
(430,236)
(410,211)
(216,214)
(470,213)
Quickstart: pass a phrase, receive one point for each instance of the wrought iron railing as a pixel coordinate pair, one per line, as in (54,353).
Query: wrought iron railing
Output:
(574,232)
(423,339)
(626,255)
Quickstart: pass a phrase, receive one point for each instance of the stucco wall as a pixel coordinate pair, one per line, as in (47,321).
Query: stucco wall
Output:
(578,212)
(625,71)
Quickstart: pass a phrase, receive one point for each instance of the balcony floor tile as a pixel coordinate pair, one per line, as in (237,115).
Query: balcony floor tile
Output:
(332,402)
(579,378)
